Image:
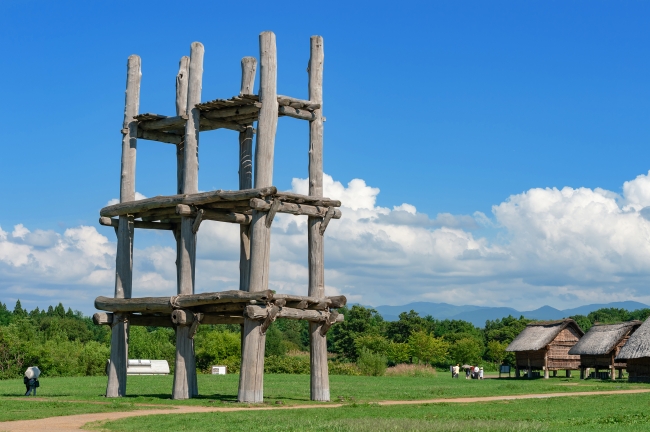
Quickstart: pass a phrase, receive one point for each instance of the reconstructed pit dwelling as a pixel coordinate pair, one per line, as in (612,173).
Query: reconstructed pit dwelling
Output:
(253,207)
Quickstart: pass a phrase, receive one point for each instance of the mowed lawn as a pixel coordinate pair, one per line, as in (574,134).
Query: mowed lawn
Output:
(64,396)
(578,413)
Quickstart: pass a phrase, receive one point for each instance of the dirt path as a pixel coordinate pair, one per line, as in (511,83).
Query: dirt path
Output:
(76,422)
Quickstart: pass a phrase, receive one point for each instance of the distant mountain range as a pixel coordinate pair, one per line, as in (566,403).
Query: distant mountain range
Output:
(477,315)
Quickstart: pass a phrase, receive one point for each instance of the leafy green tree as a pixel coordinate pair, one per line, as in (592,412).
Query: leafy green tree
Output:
(466,350)
(358,321)
(427,348)
(371,364)
(18,310)
(409,322)
(215,346)
(583,322)
(496,351)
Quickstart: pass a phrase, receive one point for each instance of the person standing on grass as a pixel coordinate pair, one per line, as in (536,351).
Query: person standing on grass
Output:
(467,372)
(480,373)
(31,379)
(456,371)
(475,376)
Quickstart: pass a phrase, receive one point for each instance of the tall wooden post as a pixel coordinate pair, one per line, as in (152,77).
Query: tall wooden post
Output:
(530,371)
(185,383)
(251,384)
(124,260)
(248,68)
(546,364)
(319,388)
(568,373)
(612,374)
(181,110)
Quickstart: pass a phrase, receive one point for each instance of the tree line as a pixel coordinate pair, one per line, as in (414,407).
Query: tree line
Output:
(67,343)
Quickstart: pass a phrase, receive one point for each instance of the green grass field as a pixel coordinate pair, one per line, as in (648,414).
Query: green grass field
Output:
(65,396)
(586,413)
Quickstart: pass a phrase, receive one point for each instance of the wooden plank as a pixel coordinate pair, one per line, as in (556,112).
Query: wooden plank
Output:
(136,224)
(297,113)
(326,220)
(182,78)
(295,209)
(272,211)
(234,111)
(207,125)
(319,377)
(191,167)
(252,364)
(188,199)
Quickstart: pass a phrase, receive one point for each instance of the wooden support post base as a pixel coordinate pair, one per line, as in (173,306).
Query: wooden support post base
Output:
(119,358)
(554,373)
(620,374)
(568,373)
(320,382)
(251,376)
(546,374)
(185,384)
(582,373)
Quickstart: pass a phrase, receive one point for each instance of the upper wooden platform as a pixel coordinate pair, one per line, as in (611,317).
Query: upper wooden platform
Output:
(161,212)
(236,113)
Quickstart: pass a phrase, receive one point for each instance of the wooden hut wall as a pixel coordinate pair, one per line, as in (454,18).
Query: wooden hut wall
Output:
(558,356)
(639,369)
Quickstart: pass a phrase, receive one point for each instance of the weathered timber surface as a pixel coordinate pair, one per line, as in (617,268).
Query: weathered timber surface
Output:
(307,199)
(333,301)
(295,209)
(167,304)
(255,312)
(188,199)
(297,103)
(248,69)
(164,137)
(215,215)
(319,379)
(254,339)
(106,221)
(103,318)
(296,113)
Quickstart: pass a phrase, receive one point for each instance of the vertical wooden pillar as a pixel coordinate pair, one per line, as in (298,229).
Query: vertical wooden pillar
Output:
(116,386)
(620,374)
(319,388)
(517,373)
(530,371)
(181,110)
(251,384)
(568,373)
(612,374)
(554,373)
(185,383)
(248,68)
(546,364)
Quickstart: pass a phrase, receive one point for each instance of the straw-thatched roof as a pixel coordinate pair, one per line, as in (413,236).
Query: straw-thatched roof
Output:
(638,345)
(537,335)
(603,338)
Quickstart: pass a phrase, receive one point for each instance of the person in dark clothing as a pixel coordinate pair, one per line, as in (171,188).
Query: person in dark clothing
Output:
(31,380)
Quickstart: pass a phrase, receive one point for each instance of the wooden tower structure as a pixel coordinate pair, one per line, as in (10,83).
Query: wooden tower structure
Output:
(253,207)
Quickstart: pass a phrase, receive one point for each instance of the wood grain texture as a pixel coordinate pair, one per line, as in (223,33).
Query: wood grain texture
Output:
(188,199)
(191,166)
(106,221)
(295,209)
(255,312)
(249,66)
(252,366)
(319,380)
(182,78)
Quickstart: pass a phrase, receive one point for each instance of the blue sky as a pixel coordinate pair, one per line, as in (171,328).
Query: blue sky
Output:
(451,107)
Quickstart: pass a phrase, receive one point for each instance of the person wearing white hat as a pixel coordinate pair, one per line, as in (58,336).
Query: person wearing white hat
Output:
(31,379)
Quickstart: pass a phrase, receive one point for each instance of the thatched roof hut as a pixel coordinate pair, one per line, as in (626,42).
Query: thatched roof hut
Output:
(600,346)
(636,352)
(545,345)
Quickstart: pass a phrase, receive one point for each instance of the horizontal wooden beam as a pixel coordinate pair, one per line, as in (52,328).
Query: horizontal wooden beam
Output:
(296,113)
(106,318)
(295,209)
(215,215)
(306,199)
(165,123)
(259,313)
(106,221)
(133,207)
(169,138)
(167,304)
(103,318)
(333,301)
(297,103)
(232,111)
